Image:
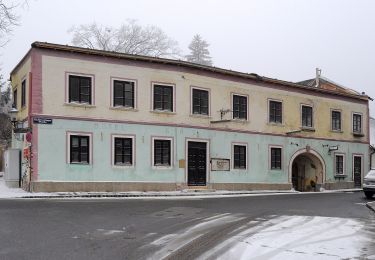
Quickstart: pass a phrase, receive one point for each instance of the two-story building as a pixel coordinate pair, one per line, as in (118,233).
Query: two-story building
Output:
(106,121)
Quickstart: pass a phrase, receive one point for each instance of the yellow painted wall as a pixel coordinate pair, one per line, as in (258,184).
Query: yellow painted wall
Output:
(54,102)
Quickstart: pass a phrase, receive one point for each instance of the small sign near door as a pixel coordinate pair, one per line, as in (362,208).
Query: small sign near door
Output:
(40,120)
(218,164)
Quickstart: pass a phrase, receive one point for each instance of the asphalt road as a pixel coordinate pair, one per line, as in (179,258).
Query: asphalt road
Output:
(318,225)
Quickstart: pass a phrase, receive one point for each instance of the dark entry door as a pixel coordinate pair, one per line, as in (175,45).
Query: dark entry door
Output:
(357,171)
(197,163)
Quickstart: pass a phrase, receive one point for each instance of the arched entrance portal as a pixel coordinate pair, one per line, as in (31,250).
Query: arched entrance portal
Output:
(307,170)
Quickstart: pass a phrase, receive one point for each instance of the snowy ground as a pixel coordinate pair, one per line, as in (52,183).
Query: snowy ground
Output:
(279,237)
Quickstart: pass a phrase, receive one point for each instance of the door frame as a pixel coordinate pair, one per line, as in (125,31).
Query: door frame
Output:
(201,140)
(362,163)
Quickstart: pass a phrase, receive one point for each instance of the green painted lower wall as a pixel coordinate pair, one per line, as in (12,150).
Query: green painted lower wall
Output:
(53,166)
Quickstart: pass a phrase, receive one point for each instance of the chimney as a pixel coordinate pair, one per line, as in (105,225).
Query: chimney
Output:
(317,77)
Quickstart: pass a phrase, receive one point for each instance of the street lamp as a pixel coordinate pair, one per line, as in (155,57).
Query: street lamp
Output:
(13,119)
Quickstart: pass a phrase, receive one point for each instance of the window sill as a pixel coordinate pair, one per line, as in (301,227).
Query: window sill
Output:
(307,129)
(340,176)
(275,124)
(166,112)
(79,163)
(240,169)
(155,167)
(337,131)
(119,166)
(238,120)
(132,109)
(84,105)
(200,116)
(357,134)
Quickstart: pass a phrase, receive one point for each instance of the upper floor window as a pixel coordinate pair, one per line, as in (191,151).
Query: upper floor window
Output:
(275,158)
(23,93)
(239,156)
(339,164)
(275,111)
(336,120)
(200,99)
(80,89)
(357,123)
(124,93)
(162,152)
(15,98)
(163,97)
(239,107)
(123,151)
(79,149)
(307,116)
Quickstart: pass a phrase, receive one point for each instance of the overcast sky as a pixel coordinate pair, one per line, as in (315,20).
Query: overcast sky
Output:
(284,39)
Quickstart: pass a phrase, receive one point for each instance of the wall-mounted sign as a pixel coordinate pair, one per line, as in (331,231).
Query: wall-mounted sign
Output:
(41,120)
(218,164)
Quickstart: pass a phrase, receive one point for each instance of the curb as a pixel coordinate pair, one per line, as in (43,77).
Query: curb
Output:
(371,205)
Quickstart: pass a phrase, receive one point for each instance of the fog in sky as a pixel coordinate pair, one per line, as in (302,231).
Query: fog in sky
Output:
(284,39)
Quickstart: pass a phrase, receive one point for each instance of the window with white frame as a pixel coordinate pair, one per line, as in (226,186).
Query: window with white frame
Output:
(336,120)
(123,150)
(124,93)
(275,158)
(162,152)
(239,156)
(339,164)
(80,89)
(200,101)
(239,107)
(357,123)
(307,116)
(275,111)
(79,149)
(163,97)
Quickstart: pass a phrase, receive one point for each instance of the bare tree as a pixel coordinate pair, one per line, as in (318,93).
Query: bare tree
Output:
(130,38)
(8,20)
(199,51)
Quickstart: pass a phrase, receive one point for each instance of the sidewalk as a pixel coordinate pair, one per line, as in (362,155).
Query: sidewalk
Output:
(6,192)
(371,205)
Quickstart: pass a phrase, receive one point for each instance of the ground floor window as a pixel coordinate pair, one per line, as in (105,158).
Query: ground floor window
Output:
(339,164)
(162,152)
(239,156)
(123,151)
(80,149)
(275,158)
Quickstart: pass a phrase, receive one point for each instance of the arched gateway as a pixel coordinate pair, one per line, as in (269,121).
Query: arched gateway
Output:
(307,170)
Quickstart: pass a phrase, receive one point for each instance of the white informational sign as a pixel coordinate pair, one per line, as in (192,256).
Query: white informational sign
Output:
(220,164)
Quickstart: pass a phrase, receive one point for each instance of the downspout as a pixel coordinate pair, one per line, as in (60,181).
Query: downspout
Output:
(30,127)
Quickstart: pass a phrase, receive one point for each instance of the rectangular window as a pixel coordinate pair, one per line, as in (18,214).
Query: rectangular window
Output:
(79,149)
(275,112)
(123,151)
(200,101)
(275,158)
(162,152)
(23,93)
(80,89)
(339,164)
(307,116)
(239,107)
(15,98)
(357,123)
(163,97)
(123,93)
(336,120)
(239,156)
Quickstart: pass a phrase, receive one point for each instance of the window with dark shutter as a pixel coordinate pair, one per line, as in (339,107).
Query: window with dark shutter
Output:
(123,93)
(307,116)
(15,105)
(23,93)
(200,102)
(357,123)
(239,157)
(163,98)
(239,107)
(275,158)
(162,152)
(336,120)
(79,149)
(275,112)
(123,154)
(80,89)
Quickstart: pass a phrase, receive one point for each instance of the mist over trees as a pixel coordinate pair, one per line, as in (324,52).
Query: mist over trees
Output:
(130,37)
(199,52)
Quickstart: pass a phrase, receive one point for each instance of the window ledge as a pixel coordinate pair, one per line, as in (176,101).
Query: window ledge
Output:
(124,109)
(79,163)
(84,105)
(275,124)
(337,131)
(357,134)
(238,120)
(200,116)
(340,176)
(119,166)
(163,112)
(154,167)
(308,129)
